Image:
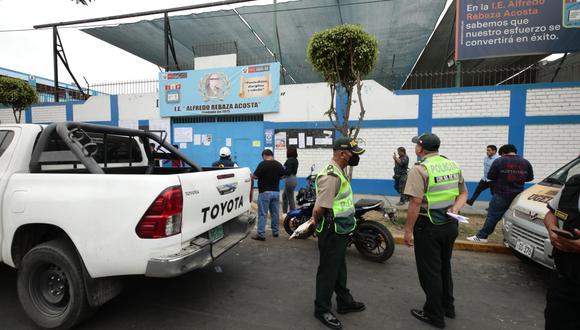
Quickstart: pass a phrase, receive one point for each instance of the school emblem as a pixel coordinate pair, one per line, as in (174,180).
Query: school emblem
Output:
(214,86)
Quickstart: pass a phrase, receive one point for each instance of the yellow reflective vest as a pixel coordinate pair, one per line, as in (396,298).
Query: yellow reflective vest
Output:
(442,187)
(342,204)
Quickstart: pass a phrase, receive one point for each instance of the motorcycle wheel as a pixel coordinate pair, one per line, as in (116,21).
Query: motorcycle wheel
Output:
(291,223)
(374,241)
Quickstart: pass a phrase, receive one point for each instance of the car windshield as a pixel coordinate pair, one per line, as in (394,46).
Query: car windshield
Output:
(561,175)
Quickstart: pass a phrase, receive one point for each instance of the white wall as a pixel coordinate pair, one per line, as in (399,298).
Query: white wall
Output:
(553,101)
(471,104)
(304,102)
(308,102)
(96,108)
(380,103)
(139,107)
(217,61)
(48,114)
(548,147)
(467,145)
(6,116)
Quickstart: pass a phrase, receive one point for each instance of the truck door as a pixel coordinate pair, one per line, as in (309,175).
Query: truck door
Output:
(7,147)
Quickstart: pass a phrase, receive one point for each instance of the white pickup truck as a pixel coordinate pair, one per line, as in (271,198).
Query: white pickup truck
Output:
(83,205)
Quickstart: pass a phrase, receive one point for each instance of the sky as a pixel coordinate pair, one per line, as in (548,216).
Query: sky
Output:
(30,51)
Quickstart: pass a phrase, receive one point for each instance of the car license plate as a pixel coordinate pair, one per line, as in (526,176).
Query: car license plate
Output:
(524,249)
(216,233)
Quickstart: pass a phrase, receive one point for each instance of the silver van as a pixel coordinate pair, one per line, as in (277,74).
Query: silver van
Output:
(523,223)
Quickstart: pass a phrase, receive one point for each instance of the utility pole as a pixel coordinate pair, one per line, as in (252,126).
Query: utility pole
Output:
(55,60)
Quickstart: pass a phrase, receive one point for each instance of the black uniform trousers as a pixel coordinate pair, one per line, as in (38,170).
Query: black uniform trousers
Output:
(562,303)
(481,186)
(433,249)
(331,275)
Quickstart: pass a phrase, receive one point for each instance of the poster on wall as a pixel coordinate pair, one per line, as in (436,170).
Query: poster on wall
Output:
(222,91)
(280,138)
(182,134)
(496,28)
(303,138)
(269,136)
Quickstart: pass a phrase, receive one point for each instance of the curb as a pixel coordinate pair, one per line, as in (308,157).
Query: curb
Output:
(469,246)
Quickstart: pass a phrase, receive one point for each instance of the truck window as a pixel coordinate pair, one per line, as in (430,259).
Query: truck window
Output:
(119,149)
(5,140)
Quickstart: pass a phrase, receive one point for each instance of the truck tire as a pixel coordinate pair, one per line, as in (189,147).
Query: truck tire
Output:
(51,287)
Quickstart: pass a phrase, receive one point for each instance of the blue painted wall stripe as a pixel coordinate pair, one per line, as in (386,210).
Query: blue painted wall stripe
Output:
(69,111)
(115,110)
(340,105)
(143,124)
(517,118)
(425,112)
(545,120)
(481,121)
(27,115)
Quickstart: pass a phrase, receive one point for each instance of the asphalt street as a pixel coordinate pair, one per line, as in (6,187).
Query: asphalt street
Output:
(270,285)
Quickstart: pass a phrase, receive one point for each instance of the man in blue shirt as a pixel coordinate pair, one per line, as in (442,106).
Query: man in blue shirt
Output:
(509,174)
(485,183)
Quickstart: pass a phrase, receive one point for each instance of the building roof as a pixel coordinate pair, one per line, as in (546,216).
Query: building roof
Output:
(401,27)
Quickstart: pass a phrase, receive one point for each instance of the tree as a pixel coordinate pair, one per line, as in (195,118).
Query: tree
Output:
(17,94)
(344,55)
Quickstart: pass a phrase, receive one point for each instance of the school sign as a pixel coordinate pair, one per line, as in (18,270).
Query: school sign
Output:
(495,28)
(223,91)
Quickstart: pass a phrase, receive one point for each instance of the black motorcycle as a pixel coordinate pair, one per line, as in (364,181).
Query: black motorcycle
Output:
(372,239)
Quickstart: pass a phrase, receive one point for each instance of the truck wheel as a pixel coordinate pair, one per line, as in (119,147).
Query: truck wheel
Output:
(51,288)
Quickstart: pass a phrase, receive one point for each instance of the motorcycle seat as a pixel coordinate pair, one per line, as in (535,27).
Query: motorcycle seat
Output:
(367,203)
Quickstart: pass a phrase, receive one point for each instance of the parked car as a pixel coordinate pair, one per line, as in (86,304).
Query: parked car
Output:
(83,205)
(523,224)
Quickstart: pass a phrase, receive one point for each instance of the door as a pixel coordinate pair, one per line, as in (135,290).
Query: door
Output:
(7,148)
(245,140)
(242,153)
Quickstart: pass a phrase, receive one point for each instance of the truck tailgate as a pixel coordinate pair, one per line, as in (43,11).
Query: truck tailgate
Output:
(212,198)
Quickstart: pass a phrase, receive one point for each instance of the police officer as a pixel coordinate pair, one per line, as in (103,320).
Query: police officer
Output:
(225,160)
(563,298)
(333,216)
(435,186)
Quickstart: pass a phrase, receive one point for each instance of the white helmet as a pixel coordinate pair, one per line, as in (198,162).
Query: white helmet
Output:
(225,152)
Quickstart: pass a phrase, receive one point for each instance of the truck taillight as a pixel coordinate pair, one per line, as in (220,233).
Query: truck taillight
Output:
(163,218)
